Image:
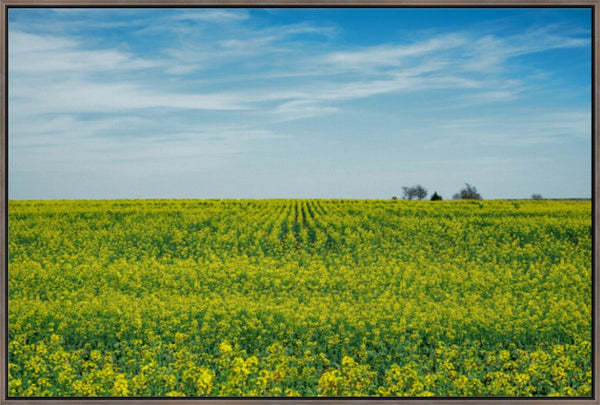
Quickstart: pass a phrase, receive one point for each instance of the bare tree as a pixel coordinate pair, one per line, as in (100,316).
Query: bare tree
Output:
(536,197)
(415,192)
(468,193)
(420,192)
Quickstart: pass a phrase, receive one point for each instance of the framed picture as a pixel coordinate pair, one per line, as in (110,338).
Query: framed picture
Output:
(299,202)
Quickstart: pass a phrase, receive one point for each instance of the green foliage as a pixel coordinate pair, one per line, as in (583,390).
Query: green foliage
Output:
(299,298)
(436,197)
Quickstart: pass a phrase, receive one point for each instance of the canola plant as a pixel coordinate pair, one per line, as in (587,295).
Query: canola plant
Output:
(238,298)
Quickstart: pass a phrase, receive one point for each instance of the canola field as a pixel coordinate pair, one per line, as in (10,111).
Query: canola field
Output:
(299,298)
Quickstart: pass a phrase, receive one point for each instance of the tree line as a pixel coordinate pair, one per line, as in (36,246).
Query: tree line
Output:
(418,192)
(469,192)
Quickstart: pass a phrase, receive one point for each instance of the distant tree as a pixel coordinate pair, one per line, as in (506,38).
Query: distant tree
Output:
(536,197)
(420,191)
(415,192)
(436,197)
(394,198)
(468,193)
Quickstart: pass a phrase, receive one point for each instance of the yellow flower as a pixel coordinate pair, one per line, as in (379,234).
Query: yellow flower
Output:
(225,348)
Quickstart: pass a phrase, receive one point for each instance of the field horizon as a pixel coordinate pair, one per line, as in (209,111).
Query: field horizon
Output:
(299,198)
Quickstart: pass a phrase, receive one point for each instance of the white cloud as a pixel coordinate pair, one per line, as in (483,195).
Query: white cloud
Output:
(489,53)
(212,15)
(279,47)
(297,109)
(24,43)
(388,55)
(88,96)
(32,53)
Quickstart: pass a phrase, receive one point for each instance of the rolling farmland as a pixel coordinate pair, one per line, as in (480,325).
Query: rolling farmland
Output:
(299,298)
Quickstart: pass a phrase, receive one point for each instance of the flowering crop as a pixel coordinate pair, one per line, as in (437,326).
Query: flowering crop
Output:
(299,298)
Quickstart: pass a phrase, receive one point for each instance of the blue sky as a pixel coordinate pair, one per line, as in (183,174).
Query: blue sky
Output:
(298,103)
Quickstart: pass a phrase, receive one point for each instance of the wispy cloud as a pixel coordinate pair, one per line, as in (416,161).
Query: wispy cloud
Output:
(490,52)
(212,15)
(445,61)
(31,53)
(393,56)
(85,97)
